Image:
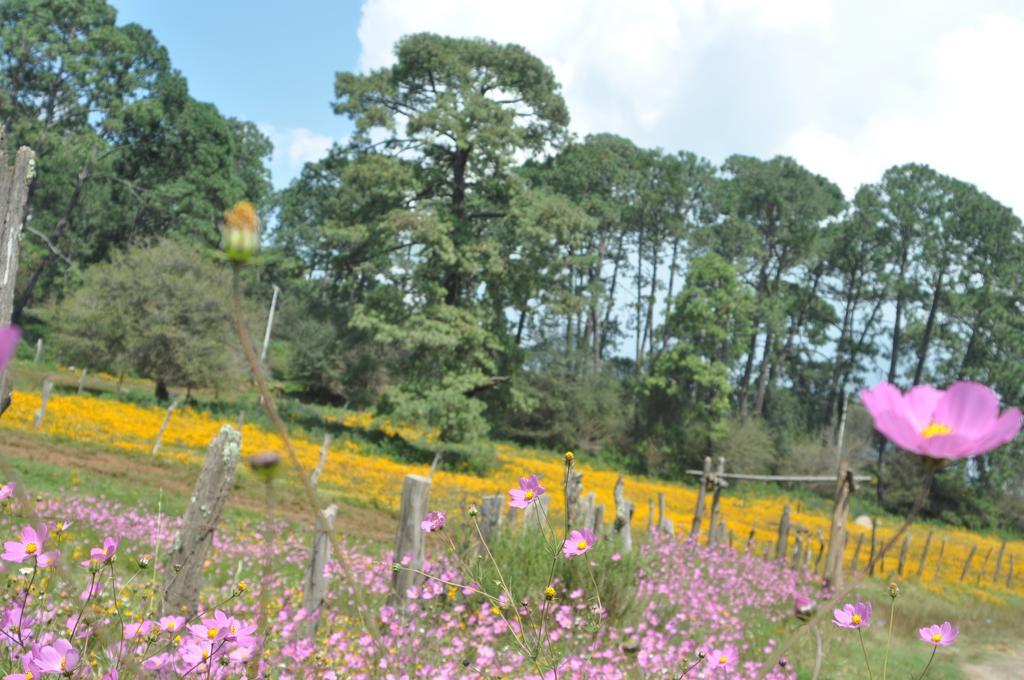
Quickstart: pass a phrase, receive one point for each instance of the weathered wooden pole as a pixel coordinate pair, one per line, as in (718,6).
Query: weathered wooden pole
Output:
(856,553)
(783,541)
(184,562)
(585,511)
(871,555)
(999,561)
(39,350)
(163,427)
(574,491)
(15,181)
(325,448)
(698,512)
(924,553)
(537,514)
(984,563)
(41,413)
(903,554)
(314,586)
(1009,573)
(270,324)
(938,562)
(409,536)
(650,515)
(598,526)
(837,531)
(661,508)
(716,497)
(821,551)
(967,562)
(490,517)
(798,547)
(623,516)
(81,380)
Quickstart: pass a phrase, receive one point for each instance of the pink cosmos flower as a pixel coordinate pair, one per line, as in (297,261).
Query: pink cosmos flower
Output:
(30,545)
(26,666)
(853,615)
(61,657)
(578,542)
(529,490)
(9,337)
(803,607)
(105,553)
(7,490)
(434,521)
(958,422)
(940,636)
(171,624)
(724,658)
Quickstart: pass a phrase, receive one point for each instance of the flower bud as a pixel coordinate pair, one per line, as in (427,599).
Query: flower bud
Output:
(894,590)
(473,512)
(549,593)
(240,233)
(569,457)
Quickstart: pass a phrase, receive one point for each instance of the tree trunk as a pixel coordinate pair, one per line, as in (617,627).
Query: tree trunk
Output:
(922,352)
(762,375)
(162,394)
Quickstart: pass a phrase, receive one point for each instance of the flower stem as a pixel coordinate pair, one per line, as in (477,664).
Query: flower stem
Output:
(888,641)
(860,634)
(935,648)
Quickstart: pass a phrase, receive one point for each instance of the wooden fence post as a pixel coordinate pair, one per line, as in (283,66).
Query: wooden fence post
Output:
(871,555)
(698,512)
(967,562)
(661,508)
(938,562)
(15,181)
(81,380)
(163,427)
(650,515)
(184,562)
(837,531)
(325,448)
(821,549)
(585,511)
(856,553)
(665,525)
(623,516)
(903,554)
(409,536)
(716,497)
(783,541)
(41,413)
(574,492)
(924,553)
(1009,574)
(984,563)
(39,350)
(798,548)
(537,514)
(490,517)
(999,562)
(314,589)
(598,526)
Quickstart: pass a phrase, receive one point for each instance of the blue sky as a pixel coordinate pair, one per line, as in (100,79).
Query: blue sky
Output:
(847,87)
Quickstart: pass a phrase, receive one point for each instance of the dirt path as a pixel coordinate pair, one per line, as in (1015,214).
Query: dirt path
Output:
(147,476)
(998,663)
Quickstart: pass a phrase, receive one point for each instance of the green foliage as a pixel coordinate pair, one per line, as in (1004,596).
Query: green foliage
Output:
(162,312)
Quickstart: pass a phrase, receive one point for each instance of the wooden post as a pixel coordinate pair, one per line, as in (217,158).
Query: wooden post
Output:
(409,536)
(938,562)
(325,448)
(924,553)
(39,350)
(15,181)
(874,538)
(798,547)
(314,588)
(716,497)
(984,563)
(537,514)
(585,511)
(270,324)
(903,554)
(574,492)
(184,562)
(1009,574)
(856,553)
(661,508)
(967,562)
(598,527)
(837,531)
(999,562)
(623,516)
(731,537)
(650,515)
(698,512)
(821,549)
(81,380)
(490,517)
(163,427)
(41,413)
(783,542)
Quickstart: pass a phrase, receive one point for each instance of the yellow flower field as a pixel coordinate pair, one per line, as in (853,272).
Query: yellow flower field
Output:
(375,480)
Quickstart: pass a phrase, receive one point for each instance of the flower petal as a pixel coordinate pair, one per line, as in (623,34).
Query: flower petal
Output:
(969,408)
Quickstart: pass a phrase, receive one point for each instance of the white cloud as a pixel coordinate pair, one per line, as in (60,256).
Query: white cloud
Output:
(293,148)
(848,87)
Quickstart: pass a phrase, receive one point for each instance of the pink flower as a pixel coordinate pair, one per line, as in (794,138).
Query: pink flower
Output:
(434,521)
(724,658)
(105,553)
(171,624)
(9,337)
(940,636)
(61,657)
(7,490)
(803,607)
(30,545)
(578,542)
(853,615)
(529,490)
(26,666)
(958,422)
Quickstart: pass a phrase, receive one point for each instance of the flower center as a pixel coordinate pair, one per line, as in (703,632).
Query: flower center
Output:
(29,675)
(936,430)
(211,633)
(937,637)
(724,660)
(170,625)
(856,619)
(582,545)
(528,496)
(63,663)
(31,548)
(232,629)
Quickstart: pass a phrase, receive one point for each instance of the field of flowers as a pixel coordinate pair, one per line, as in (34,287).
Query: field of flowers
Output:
(362,475)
